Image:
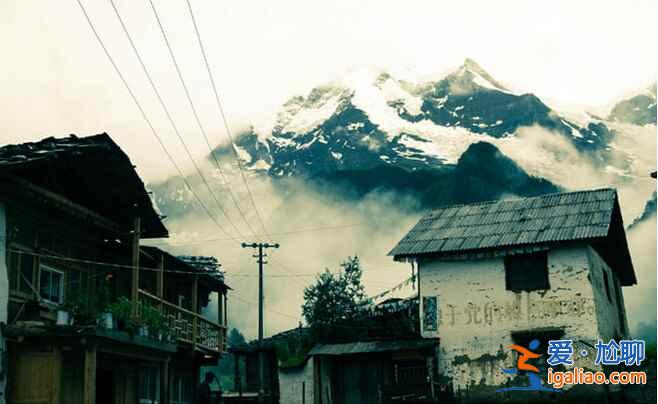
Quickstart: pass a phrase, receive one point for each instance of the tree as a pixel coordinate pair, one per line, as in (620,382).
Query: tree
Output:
(334,297)
(235,338)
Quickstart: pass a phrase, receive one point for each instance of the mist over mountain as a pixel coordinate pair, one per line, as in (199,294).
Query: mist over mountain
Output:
(481,173)
(373,151)
(649,213)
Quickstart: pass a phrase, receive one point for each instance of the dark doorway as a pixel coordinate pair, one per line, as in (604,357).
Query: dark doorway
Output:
(104,386)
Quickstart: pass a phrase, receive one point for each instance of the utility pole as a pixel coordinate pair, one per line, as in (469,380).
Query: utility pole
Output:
(261,357)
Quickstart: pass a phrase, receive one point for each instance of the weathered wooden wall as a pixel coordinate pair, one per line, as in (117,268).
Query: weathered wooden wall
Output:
(35,373)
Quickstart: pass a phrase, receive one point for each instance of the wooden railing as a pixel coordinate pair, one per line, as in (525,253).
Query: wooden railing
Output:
(188,327)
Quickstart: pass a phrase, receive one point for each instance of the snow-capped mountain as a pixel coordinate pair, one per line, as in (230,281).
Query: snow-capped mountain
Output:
(369,119)
(370,130)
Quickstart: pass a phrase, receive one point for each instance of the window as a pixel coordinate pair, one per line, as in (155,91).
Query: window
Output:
(26,276)
(526,272)
(181,392)
(12,268)
(149,385)
(51,284)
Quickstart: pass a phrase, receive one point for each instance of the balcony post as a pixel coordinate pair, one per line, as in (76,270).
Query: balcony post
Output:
(220,308)
(89,380)
(160,281)
(195,306)
(135,264)
(225,309)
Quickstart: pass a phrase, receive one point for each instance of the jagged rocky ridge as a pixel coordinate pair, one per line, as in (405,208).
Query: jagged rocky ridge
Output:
(373,131)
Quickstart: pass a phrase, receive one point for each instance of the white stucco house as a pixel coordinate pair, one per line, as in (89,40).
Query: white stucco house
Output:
(505,272)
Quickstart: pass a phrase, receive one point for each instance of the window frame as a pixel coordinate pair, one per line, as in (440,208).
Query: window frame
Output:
(19,287)
(62,273)
(512,277)
(149,374)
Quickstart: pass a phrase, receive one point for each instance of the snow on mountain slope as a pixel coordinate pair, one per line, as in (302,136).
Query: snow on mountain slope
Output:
(369,118)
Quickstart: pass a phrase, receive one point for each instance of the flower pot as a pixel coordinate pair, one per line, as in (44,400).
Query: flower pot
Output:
(106,321)
(63,317)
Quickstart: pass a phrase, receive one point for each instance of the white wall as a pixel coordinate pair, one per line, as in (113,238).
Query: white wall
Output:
(290,383)
(476,314)
(607,309)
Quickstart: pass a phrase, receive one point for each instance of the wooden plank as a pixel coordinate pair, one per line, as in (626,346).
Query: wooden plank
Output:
(164,383)
(220,308)
(195,308)
(225,294)
(90,375)
(32,374)
(160,275)
(57,375)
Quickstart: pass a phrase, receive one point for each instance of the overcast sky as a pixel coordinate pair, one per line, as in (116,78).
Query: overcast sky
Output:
(56,80)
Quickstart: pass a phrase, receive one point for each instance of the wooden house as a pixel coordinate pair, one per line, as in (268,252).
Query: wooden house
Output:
(505,272)
(91,315)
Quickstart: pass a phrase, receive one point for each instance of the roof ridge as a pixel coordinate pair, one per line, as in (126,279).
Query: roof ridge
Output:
(492,201)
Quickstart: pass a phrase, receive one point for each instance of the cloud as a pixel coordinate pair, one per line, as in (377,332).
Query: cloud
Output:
(261,55)
(640,299)
(378,221)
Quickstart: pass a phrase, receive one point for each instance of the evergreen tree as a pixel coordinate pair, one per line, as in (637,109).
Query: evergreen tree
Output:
(334,297)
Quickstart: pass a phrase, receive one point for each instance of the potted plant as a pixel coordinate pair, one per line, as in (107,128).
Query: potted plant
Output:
(121,313)
(101,304)
(73,310)
(155,322)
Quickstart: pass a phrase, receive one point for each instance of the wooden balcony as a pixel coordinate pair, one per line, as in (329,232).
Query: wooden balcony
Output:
(188,327)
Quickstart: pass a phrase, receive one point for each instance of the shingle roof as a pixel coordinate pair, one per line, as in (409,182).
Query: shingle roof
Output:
(371,347)
(539,220)
(91,171)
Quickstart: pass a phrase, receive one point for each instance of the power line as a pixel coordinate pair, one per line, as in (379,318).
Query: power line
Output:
(189,186)
(283,233)
(168,114)
(141,268)
(245,301)
(147,120)
(223,116)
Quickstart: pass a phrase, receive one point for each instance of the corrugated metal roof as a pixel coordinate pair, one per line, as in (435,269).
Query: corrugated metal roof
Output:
(542,219)
(371,347)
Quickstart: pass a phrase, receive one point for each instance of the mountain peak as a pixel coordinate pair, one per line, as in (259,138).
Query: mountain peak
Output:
(471,64)
(479,76)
